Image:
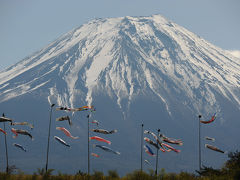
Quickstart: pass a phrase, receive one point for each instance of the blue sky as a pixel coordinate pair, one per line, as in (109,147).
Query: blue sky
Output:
(27,26)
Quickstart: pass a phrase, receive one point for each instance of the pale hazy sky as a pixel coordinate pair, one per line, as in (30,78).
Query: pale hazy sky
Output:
(27,26)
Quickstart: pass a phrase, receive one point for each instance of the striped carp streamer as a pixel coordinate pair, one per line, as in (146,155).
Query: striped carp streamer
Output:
(171,140)
(23,124)
(87,107)
(100,139)
(68,109)
(4,132)
(22,132)
(213,148)
(94,154)
(211,120)
(65,118)
(66,132)
(20,147)
(104,131)
(165,150)
(210,139)
(148,150)
(63,109)
(4,119)
(61,141)
(95,122)
(105,148)
(149,141)
(156,145)
(91,108)
(154,136)
(83,108)
(171,148)
(149,132)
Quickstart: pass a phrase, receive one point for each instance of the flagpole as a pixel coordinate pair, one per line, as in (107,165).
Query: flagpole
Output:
(142,147)
(88,146)
(6,148)
(49,131)
(199,142)
(157,156)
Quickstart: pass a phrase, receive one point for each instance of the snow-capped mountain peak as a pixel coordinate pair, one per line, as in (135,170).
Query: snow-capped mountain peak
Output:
(125,57)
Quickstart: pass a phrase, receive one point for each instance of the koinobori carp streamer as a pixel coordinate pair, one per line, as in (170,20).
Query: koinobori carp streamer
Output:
(151,142)
(147,162)
(210,138)
(4,119)
(83,108)
(171,140)
(103,131)
(65,118)
(149,150)
(19,146)
(105,148)
(4,132)
(94,154)
(171,148)
(61,141)
(66,132)
(214,148)
(95,122)
(209,121)
(22,132)
(100,139)
(23,124)
(154,136)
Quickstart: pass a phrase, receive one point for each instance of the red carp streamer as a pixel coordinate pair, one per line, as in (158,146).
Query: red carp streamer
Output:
(3,131)
(94,154)
(66,132)
(211,120)
(100,139)
(14,132)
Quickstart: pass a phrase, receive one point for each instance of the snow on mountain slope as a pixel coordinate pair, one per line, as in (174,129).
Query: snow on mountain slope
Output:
(125,57)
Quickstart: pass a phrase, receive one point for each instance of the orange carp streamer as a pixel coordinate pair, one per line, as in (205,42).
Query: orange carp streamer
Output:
(94,154)
(66,132)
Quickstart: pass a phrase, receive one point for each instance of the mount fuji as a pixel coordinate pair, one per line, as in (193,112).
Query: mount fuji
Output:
(134,70)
